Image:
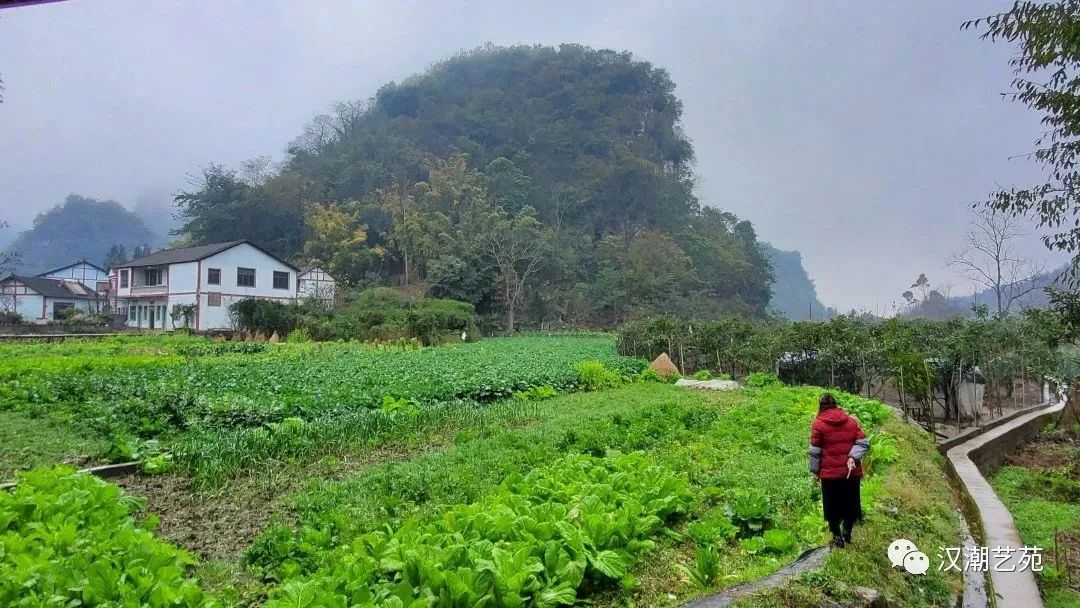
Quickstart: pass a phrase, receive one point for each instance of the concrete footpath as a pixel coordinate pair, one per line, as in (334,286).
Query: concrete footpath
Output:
(984,453)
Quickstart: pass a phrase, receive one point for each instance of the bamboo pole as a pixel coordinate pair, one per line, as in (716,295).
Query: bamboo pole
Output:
(959,414)
(929,397)
(903,403)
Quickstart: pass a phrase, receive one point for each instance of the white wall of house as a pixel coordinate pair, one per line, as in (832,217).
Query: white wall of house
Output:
(228,261)
(35,308)
(183,286)
(183,278)
(80,271)
(18,298)
(147,305)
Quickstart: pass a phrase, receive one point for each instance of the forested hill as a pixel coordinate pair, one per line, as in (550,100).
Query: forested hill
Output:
(79,228)
(794,293)
(546,185)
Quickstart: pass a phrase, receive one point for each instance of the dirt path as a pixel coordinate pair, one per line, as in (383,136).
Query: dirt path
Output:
(809,560)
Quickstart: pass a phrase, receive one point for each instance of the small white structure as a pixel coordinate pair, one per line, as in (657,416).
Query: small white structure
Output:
(314,283)
(970,393)
(44,299)
(206,280)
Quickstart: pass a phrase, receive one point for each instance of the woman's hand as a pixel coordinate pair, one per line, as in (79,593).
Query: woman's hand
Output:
(850,466)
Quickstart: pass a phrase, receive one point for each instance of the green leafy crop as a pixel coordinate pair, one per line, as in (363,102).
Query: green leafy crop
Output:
(751,511)
(536,541)
(68,539)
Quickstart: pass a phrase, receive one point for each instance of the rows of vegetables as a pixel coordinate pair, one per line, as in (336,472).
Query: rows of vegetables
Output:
(620,491)
(301,380)
(223,406)
(588,503)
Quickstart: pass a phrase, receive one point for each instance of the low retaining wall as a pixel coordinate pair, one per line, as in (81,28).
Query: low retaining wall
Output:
(946,444)
(990,455)
(980,455)
(30,329)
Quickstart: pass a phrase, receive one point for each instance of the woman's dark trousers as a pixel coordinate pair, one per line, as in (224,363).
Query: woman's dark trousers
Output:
(842,502)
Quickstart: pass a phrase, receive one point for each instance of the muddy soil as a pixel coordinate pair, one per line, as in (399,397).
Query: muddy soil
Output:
(221,524)
(217,525)
(1056,450)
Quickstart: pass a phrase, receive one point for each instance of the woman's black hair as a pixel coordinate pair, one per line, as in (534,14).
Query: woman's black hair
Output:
(826,402)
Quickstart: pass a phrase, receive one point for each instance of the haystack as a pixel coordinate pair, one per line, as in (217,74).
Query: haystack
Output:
(663,366)
(274,338)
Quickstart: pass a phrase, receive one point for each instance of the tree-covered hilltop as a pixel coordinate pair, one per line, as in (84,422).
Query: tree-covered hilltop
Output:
(79,228)
(550,186)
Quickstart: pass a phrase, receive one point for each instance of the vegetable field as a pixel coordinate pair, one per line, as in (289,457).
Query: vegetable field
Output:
(130,390)
(535,471)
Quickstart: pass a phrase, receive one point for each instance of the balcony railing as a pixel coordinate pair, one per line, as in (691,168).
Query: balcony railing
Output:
(149,290)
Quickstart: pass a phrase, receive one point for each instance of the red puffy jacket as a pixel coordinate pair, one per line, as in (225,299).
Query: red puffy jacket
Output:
(834,437)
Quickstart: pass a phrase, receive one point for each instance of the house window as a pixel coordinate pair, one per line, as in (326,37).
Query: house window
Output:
(153,277)
(213,276)
(124,278)
(213,299)
(245,277)
(281,280)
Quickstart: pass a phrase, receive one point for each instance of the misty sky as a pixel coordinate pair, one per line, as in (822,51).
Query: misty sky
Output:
(855,132)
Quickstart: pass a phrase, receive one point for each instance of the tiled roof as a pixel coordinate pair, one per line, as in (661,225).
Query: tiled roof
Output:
(57,288)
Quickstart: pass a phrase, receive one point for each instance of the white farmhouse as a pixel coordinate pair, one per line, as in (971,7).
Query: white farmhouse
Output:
(44,299)
(205,280)
(314,283)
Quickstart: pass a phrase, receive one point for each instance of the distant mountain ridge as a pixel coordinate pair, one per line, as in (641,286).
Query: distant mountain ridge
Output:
(794,293)
(1034,299)
(79,228)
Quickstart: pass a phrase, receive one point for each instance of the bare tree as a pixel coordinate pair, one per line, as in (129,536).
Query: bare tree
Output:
(990,260)
(317,134)
(257,170)
(8,259)
(517,246)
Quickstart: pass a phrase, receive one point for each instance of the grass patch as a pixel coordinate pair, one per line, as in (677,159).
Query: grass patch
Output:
(27,442)
(743,454)
(1042,497)
(912,500)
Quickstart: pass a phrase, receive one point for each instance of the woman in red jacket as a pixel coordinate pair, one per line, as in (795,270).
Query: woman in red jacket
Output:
(837,446)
